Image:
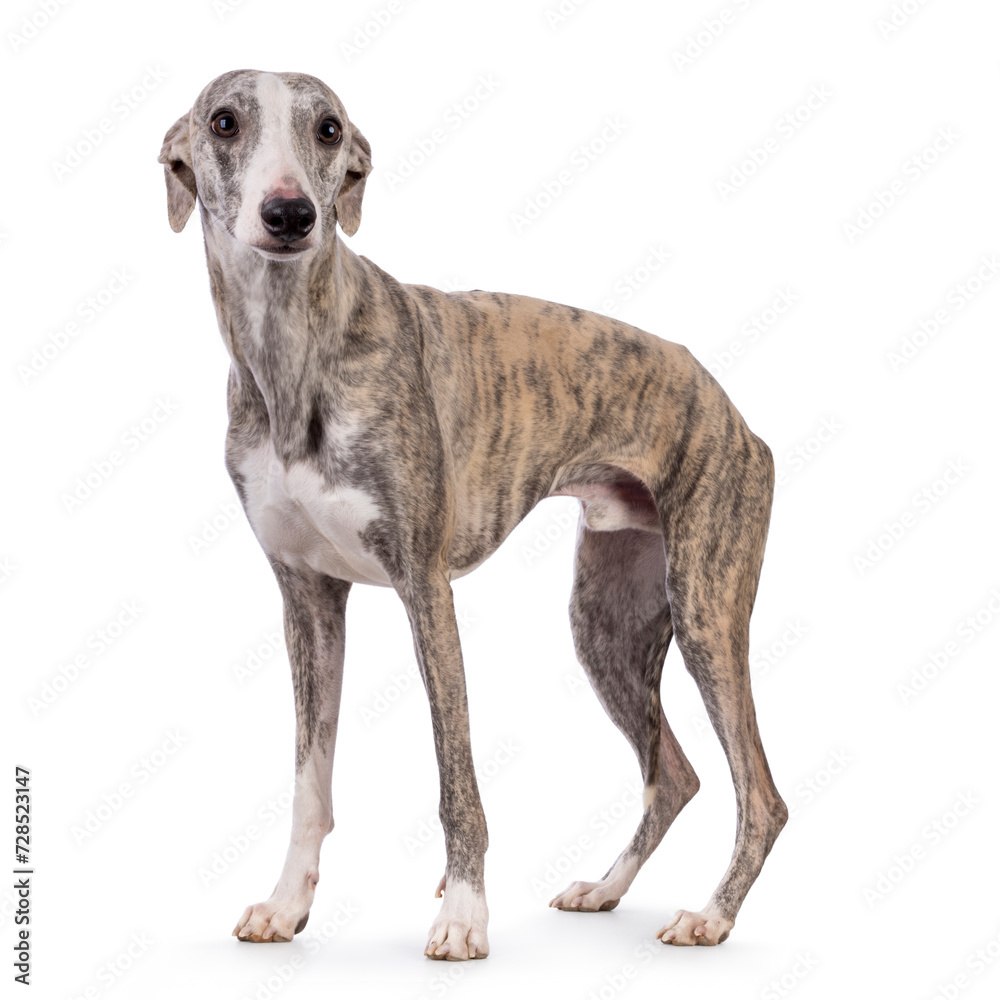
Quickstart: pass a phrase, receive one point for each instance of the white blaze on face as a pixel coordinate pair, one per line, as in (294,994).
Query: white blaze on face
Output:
(274,169)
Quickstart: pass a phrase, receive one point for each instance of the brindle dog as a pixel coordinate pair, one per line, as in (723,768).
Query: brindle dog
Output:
(394,434)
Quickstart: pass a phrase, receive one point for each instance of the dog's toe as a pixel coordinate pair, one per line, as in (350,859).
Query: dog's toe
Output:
(689,928)
(587,897)
(459,932)
(269,922)
(456,942)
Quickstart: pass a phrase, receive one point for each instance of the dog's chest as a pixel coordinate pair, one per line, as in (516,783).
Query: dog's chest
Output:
(305,522)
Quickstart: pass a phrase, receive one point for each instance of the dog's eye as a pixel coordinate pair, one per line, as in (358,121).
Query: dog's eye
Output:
(329,132)
(224,124)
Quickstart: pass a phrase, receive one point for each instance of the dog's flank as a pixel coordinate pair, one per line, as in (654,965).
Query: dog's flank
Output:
(394,435)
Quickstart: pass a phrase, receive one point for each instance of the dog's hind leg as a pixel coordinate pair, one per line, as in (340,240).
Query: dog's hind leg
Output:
(315,608)
(621,629)
(715,530)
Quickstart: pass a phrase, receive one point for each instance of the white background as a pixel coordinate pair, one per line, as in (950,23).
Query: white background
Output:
(863,894)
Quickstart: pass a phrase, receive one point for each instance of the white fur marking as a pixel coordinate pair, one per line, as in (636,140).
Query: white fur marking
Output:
(299,519)
(274,162)
(461,924)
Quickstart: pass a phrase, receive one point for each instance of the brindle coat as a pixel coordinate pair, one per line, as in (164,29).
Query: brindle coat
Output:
(395,434)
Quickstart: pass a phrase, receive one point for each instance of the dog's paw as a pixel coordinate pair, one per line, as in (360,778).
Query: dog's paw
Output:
(459,932)
(695,928)
(273,920)
(588,897)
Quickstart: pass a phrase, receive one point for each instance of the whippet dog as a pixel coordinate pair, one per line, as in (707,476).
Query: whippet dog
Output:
(395,434)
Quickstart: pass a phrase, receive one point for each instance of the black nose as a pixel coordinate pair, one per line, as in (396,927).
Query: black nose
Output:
(289,219)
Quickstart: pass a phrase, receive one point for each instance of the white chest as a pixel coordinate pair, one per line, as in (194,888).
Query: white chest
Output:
(302,521)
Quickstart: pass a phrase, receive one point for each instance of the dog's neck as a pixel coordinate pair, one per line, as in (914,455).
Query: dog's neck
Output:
(282,320)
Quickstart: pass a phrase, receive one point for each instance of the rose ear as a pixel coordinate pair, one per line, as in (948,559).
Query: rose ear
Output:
(359,165)
(182,191)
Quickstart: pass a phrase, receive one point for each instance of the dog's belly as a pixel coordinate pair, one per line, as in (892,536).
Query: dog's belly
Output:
(303,522)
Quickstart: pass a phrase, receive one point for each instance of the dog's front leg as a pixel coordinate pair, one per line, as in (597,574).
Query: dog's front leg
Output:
(314,610)
(459,932)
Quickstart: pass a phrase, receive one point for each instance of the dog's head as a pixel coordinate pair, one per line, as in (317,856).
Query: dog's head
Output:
(274,159)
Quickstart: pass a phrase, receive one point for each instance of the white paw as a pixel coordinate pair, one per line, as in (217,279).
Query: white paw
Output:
(695,928)
(459,932)
(276,919)
(588,897)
